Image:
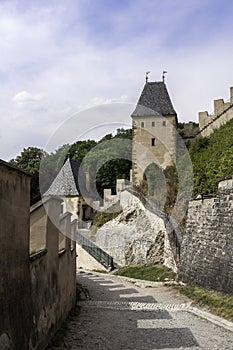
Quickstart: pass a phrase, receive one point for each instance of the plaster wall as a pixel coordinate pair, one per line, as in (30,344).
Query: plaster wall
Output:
(37,231)
(52,275)
(15,284)
(37,282)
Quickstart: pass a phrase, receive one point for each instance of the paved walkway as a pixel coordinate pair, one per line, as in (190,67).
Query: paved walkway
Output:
(118,315)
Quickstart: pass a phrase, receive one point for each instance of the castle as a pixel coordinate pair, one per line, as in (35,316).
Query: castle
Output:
(223,113)
(154,125)
(154,130)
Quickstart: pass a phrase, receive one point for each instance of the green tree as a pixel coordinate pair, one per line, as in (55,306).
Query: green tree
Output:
(29,160)
(109,160)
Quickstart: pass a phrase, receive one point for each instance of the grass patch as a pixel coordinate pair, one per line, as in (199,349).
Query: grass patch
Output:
(101,218)
(154,273)
(218,303)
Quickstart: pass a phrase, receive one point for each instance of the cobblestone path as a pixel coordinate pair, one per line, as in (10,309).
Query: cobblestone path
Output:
(117,315)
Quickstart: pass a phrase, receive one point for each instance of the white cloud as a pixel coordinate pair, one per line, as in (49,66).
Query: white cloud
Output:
(25,98)
(54,62)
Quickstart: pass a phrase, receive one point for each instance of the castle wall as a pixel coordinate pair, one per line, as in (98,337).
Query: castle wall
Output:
(144,152)
(37,228)
(223,113)
(191,129)
(37,282)
(206,256)
(15,284)
(52,273)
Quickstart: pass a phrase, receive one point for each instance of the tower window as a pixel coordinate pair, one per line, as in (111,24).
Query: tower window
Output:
(142,125)
(164,123)
(153,123)
(153,142)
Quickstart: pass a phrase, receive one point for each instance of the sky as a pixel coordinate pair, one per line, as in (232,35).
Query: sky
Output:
(60,58)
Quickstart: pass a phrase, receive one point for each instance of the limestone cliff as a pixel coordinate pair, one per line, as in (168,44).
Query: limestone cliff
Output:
(136,236)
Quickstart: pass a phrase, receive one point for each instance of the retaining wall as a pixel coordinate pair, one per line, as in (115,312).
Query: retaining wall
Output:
(206,257)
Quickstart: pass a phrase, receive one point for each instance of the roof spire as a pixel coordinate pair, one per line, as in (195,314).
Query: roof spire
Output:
(147,77)
(164,72)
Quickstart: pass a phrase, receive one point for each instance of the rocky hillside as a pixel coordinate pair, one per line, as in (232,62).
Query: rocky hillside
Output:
(136,236)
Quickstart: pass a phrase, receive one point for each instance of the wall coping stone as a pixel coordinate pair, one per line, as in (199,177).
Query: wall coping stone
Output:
(62,252)
(65,215)
(38,254)
(13,167)
(38,204)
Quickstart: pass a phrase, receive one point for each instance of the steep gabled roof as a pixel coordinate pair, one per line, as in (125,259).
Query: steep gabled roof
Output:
(67,181)
(154,101)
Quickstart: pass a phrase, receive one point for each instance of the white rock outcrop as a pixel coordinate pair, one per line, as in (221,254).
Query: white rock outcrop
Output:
(136,236)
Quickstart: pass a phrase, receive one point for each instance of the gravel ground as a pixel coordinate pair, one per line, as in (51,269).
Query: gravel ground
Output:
(116,314)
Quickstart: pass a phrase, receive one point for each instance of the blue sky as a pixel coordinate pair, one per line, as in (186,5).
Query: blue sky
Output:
(60,57)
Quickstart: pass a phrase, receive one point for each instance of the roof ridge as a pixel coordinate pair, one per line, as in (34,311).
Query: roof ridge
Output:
(66,182)
(154,100)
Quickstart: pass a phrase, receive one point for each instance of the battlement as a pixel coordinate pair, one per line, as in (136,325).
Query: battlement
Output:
(223,113)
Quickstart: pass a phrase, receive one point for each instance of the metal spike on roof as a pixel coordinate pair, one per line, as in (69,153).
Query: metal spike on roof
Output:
(154,101)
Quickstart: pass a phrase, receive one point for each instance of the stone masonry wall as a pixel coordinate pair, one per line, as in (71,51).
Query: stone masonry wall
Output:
(223,113)
(206,257)
(144,153)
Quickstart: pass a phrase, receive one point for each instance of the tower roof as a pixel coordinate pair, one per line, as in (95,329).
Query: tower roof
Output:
(67,181)
(154,100)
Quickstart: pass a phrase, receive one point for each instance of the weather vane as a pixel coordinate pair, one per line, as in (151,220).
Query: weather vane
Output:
(164,72)
(147,76)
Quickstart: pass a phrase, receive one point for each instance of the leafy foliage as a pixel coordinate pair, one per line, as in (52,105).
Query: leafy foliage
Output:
(109,160)
(79,149)
(172,187)
(156,183)
(35,160)
(29,160)
(212,158)
(180,128)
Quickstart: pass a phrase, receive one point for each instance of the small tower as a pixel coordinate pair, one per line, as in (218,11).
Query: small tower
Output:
(154,130)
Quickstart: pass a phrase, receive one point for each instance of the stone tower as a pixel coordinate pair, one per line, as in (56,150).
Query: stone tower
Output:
(154,130)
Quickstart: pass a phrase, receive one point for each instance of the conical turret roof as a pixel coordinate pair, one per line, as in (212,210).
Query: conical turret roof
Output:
(68,181)
(154,101)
